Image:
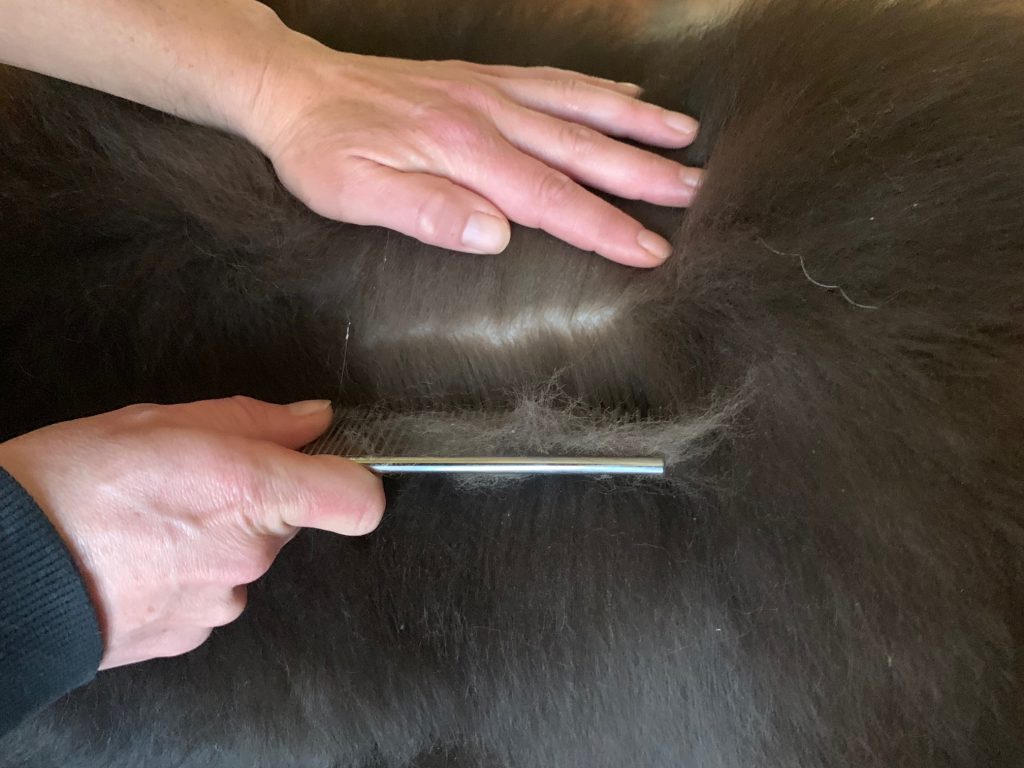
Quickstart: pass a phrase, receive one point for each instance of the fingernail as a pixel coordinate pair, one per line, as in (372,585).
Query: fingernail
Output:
(655,245)
(485,233)
(692,177)
(681,124)
(309,407)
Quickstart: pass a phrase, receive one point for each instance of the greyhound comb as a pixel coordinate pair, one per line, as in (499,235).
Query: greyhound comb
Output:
(376,440)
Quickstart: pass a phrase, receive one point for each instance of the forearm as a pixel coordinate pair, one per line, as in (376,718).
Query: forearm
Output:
(199,59)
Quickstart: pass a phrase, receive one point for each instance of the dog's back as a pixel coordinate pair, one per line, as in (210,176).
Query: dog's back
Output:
(831,362)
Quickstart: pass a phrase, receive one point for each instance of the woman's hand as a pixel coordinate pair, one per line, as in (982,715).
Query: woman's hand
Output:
(170,511)
(444,151)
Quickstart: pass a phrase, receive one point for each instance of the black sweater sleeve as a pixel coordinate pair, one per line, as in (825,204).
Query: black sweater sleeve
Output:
(49,635)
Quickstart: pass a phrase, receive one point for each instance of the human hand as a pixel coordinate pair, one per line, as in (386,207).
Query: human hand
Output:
(170,511)
(442,151)
(445,151)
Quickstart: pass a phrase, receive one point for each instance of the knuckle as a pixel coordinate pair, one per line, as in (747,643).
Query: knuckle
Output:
(196,639)
(186,642)
(548,72)
(434,215)
(448,127)
(248,411)
(229,610)
(578,139)
(231,472)
(472,93)
(264,558)
(571,89)
(251,568)
(142,416)
(277,504)
(624,110)
(241,488)
(554,189)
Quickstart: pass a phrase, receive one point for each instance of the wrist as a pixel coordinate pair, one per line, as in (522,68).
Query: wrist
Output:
(291,79)
(233,92)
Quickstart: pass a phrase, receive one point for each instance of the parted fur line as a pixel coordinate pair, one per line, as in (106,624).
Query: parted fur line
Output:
(833,359)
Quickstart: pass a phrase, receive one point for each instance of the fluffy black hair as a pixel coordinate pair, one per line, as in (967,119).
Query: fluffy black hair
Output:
(831,574)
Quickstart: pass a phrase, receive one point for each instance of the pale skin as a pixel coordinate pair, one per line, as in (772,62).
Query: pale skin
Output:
(425,144)
(170,511)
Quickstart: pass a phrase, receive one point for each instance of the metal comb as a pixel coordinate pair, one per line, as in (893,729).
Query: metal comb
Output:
(509,465)
(362,438)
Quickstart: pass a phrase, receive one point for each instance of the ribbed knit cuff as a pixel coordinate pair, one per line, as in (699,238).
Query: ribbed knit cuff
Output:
(49,635)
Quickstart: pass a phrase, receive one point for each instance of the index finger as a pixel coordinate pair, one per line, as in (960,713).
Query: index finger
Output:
(503,71)
(530,193)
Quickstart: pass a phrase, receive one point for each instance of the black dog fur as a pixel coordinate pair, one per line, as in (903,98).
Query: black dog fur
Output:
(832,574)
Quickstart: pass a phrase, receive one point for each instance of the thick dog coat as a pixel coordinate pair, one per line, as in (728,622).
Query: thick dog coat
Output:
(831,363)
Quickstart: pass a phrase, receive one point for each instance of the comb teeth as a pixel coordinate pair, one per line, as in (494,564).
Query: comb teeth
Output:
(362,432)
(378,440)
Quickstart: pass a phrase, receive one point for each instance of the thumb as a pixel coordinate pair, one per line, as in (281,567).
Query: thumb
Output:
(292,490)
(291,426)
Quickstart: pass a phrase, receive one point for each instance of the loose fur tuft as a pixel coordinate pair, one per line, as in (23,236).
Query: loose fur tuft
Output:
(540,423)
